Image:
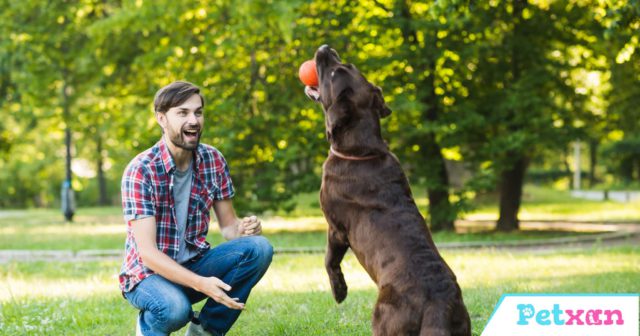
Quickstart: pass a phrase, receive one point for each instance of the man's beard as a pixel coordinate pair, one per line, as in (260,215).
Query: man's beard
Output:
(178,139)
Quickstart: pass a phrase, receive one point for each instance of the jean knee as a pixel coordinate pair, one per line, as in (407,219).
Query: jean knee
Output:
(174,312)
(262,249)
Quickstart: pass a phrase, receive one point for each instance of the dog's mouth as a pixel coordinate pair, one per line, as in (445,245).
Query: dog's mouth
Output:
(312,92)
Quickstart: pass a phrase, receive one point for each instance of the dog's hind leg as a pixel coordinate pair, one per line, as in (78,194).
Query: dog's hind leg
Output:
(460,321)
(395,315)
(436,319)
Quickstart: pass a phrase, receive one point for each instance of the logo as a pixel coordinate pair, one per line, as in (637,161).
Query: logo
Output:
(565,315)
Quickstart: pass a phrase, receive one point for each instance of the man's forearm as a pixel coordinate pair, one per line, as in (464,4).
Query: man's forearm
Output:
(231,231)
(168,268)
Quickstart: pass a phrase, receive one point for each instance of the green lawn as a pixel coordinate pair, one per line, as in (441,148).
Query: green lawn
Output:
(541,203)
(104,228)
(538,203)
(60,298)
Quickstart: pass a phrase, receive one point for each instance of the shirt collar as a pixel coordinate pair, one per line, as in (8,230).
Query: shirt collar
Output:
(167,158)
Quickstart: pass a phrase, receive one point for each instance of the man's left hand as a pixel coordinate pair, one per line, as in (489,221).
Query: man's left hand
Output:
(250,226)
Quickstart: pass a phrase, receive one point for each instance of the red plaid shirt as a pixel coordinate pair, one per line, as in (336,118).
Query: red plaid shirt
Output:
(147,190)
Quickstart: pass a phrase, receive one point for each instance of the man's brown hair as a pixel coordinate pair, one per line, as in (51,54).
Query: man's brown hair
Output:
(175,94)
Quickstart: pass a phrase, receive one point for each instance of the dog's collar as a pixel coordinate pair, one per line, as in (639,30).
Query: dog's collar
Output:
(351,158)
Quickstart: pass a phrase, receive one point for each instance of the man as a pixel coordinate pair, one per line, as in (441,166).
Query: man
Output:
(167,192)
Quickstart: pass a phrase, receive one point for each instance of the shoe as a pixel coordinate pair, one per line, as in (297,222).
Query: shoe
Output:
(196,329)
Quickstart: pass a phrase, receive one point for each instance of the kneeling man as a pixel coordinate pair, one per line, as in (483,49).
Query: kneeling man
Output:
(167,193)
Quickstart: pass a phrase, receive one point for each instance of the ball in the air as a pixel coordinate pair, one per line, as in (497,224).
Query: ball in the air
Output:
(308,74)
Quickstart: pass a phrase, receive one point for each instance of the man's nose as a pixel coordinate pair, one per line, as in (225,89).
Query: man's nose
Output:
(192,119)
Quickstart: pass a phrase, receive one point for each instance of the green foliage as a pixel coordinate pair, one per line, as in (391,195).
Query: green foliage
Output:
(481,83)
(624,158)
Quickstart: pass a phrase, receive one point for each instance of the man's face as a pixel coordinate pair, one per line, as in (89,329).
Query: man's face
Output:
(183,124)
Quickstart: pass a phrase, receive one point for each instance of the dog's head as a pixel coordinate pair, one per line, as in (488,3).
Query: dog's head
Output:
(345,94)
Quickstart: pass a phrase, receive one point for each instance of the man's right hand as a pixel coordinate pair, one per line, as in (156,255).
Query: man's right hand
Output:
(215,289)
(144,231)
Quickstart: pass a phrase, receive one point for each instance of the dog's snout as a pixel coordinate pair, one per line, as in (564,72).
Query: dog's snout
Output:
(324,52)
(325,55)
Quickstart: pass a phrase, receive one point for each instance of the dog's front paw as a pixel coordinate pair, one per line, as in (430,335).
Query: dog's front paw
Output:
(338,287)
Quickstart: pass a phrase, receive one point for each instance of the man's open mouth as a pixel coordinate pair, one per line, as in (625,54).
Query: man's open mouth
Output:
(191,135)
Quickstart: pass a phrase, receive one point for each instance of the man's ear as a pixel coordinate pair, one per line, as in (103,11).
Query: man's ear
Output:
(161,118)
(379,104)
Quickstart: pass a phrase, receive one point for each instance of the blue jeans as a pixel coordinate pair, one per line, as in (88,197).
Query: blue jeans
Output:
(166,306)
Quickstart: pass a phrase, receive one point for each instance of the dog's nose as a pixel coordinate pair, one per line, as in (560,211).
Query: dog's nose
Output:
(324,47)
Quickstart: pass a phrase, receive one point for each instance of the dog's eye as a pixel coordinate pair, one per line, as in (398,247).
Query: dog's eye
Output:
(333,73)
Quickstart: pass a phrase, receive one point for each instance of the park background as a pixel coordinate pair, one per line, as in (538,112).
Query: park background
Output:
(503,113)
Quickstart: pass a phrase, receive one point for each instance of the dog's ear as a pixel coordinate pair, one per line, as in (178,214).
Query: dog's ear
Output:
(379,104)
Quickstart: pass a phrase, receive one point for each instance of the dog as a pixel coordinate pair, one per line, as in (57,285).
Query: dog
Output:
(367,202)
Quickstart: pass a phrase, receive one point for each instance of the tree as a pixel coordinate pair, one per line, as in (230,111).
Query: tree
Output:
(408,49)
(246,70)
(523,88)
(49,62)
(622,21)
(491,85)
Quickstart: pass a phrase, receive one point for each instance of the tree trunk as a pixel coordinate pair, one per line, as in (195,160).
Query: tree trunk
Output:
(626,169)
(440,209)
(103,197)
(565,161)
(593,161)
(438,178)
(512,178)
(438,186)
(511,184)
(69,202)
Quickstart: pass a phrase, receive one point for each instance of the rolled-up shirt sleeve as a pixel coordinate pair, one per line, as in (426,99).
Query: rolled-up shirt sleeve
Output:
(223,177)
(137,193)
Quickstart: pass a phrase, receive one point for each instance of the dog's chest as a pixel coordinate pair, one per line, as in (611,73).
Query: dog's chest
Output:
(344,182)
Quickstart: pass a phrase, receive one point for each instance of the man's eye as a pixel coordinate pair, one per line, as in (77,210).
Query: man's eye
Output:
(198,113)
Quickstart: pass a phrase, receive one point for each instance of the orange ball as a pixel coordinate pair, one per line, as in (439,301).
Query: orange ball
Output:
(308,74)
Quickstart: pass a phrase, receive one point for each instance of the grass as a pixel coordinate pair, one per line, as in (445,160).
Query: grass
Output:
(61,298)
(103,228)
(294,298)
(538,203)
(541,203)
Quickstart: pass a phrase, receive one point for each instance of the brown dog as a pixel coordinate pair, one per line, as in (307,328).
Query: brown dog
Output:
(366,199)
